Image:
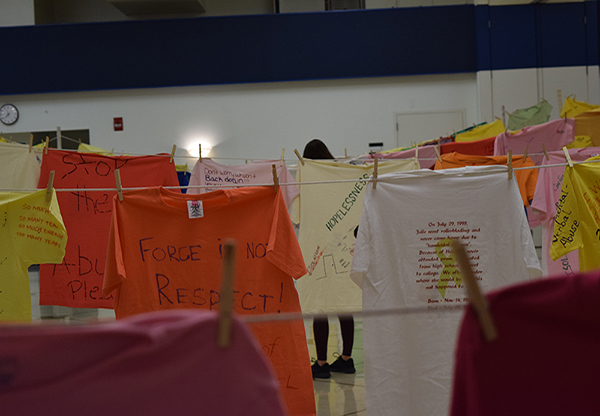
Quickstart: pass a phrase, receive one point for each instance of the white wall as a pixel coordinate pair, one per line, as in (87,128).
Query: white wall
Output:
(17,12)
(253,121)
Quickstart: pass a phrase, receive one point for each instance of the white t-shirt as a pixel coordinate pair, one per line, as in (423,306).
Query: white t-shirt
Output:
(19,168)
(209,172)
(401,260)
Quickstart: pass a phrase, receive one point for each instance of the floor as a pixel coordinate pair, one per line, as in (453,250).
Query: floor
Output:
(342,394)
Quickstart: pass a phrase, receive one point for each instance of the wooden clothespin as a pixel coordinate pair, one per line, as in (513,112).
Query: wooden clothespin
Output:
(509,164)
(30,143)
(568,156)
(226,303)
(275,179)
(545,153)
(282,155)
(477,300)
(173,153)
(375,164)
(526,151)
(417,152)
(345,153)
(437,153)
(50,186)
(47,144)
(200,152)
(299,157)
(119,187)
(10,139)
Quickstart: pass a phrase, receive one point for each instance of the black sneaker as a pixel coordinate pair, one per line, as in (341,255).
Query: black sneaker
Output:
(343,366)
(320,371)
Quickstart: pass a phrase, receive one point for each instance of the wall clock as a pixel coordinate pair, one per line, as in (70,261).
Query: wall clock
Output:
(9,114)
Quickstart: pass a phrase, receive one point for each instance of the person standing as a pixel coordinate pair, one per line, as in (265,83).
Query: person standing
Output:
(316,149)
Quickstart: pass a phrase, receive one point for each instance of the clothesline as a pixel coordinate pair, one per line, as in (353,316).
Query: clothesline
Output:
(292,316)
(257,184)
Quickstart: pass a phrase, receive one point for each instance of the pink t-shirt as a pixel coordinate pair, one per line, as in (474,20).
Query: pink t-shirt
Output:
(545,359)
(543,212)
(159,363)
(554,135)
(209,172)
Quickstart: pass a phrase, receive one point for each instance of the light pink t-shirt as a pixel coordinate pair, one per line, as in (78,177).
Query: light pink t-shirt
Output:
(426,156)
(209,172)
(158,363)
(554,135)
(543,208)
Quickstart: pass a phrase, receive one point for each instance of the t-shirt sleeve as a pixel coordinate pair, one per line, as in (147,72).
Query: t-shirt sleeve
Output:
(567,233)
(360,260)
(195,179)
(284,250)
(114,271)
(541,199)
(290,191)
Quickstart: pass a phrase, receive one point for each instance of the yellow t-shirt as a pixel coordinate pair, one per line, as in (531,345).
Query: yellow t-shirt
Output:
(88,148)
(485,131)
(572,108)
(31,232)
(328,214)
(577,222)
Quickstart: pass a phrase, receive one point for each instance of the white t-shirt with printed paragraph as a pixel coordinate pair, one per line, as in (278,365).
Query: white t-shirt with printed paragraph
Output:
(402,259)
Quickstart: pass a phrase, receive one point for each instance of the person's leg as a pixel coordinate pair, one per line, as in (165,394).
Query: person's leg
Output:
(347,329)
(321,334)
(345,363)
(320,369)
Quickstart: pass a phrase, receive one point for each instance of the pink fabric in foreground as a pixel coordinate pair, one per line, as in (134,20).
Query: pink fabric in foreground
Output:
(159,363)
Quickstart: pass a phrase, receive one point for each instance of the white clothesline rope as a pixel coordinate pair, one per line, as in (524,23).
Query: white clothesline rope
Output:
(293,316)
(220,186)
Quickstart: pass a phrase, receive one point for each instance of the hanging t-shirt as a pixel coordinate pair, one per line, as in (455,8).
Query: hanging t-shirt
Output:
(532,116)
(88,148)
(328,215)
(588,124)
(484,147)
(525,178)
(572,108)
(19,168)
(554,135)
(402,259)
(577,222)
(31,232)
(209,172)
(545,359)
(426,155)
(547,194)
(161,363)
(484,131)
(77,282)
(165,252)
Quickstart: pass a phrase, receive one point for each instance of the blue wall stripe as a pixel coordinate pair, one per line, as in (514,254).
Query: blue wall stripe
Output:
(285,47)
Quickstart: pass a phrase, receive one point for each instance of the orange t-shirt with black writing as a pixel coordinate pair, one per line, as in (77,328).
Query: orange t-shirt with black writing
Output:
(165,252)
(77,281)
(526,178)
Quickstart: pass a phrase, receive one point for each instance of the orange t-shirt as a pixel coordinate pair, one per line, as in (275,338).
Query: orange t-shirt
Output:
(526,178)
(77,282)
(162,257)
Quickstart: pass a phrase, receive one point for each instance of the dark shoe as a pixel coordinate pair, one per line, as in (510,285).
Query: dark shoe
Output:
(320,371)
(343,366)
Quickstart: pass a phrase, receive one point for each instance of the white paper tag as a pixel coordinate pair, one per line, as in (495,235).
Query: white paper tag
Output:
(195,209)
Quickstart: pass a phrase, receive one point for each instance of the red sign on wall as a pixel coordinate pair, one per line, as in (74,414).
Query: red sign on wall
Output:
(118,123)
